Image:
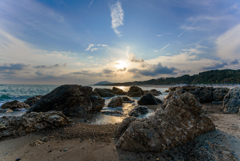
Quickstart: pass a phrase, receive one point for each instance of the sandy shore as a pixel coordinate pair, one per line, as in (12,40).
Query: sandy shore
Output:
(95,142)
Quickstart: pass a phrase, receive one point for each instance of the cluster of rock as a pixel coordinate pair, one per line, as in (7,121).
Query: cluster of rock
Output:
(231,102)
(105,92)
(179,120)
(202,93)
(33,121)
(14,105)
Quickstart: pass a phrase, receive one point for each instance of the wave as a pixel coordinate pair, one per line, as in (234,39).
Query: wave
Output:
(2,97)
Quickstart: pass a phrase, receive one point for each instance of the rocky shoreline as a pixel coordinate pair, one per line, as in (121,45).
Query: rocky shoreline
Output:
(173,133)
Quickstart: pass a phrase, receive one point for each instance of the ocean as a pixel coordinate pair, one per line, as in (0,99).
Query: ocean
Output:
(10,92)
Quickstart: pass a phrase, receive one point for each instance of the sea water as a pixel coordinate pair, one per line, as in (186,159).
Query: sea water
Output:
(22,92)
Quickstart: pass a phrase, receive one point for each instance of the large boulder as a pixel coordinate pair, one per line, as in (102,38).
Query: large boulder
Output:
(72,100)
(97,101)
(32,100)
(135,91)
(219,93)
(231,102)
(118,91)
(138,111)
(115,102)
(155,92)
(104,92)
(205,95)
(34,121)
(175,123)
(14,105)
(147,99)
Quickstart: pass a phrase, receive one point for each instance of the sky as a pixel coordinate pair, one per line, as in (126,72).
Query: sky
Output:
(84,42)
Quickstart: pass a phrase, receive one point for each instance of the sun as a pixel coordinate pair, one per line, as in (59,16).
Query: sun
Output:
(121,64)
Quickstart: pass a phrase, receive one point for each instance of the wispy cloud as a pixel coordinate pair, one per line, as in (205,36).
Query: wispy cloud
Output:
(187,28)
(163,34)
(92,48)
(117,15)
(164,47)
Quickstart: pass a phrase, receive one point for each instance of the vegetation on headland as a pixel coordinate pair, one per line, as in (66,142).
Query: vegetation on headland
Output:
(227,76)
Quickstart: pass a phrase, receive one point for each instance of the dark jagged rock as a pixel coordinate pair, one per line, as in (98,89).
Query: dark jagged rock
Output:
(138,111)
(115,102)
(72,100)
(205,95)
(126,99)
(14,105)
(112,113)
(123,126)
(34,121)
(205,150)
(135,91)
(219,93)
(97,101)
(118,91)
(231,102)
(32,100)
(155,92)
(172,125)
(104,92)
(148,99)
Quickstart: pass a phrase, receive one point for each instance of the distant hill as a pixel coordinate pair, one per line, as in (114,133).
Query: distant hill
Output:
(227,76)
(102,83)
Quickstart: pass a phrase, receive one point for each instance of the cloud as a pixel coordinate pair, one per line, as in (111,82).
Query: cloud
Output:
(187,29)
(132,58)
(122,70)
(107,71)
(117,15)
(87,73)
(234,62)
(153,70)
(90,57)
(11,66)
(92,48)
(50,67)
(228,44)
(163,34)
(215,66)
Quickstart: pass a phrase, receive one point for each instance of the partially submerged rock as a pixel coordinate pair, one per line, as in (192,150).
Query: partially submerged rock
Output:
(148,99)
(14,105)
(231,102)
(138,111)
(112,113)
(155,92)
(175,123)
(126,99)
(34,121)
(104,92)
(32,100)
(115,102)
(118,91)
(72,100)
(7,110)
(97,101)
(135,91)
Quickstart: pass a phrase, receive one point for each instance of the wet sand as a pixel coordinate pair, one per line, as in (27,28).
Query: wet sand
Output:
(83,141)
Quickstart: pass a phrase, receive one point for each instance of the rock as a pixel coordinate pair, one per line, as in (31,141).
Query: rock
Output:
(18,159)
(158,100)
(112,113)
(123,126)
(166,91)
(219,93)
(115,102)
(155,92)
(172,125)
(44,139)
(66,149)
(37,143)
(138,111)
(205,150)
(97,101)
(72,100)
(178,91)
(104,92)
(135,91)
(126,99)
(231,102)
(14,105)
(32,100)
(205,95)
(147,99)
(7,110)
(217,102)
(118,91)
(34,121)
